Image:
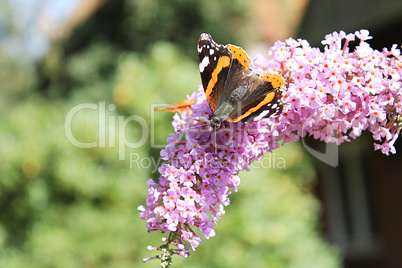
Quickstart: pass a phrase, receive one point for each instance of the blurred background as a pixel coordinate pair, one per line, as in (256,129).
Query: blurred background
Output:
(65,206)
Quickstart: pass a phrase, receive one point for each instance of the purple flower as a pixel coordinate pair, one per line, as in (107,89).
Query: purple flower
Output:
(332,95)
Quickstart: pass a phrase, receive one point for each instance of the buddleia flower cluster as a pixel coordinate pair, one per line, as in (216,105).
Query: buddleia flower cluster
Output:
(332,95)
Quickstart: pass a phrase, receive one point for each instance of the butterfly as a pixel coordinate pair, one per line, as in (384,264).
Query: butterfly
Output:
(235,93)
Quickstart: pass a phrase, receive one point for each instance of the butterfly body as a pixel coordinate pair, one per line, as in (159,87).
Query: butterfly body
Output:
(235,93)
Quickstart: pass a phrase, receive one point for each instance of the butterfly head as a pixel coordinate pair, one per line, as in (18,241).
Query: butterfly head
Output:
(215,123)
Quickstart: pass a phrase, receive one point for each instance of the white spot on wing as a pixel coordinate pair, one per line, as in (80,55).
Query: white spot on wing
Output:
(211,51)
(261,115)
(204,63)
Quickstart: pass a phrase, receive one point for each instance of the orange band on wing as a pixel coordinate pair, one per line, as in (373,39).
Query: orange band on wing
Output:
(274,79)
(268,98)
(239,54)
(223,62)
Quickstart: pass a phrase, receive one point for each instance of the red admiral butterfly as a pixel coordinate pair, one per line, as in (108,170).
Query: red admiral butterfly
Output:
(234,93)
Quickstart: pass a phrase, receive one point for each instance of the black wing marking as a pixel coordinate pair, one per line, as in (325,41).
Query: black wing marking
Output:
(214,62)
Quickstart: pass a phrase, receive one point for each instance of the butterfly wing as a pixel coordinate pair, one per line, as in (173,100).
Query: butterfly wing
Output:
(239,73)
(214,62)
(177,107)
(261,100)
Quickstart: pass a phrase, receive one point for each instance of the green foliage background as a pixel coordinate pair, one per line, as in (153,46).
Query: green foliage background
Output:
(64,206)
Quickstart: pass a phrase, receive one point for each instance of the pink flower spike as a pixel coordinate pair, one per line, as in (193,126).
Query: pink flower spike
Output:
(333,95)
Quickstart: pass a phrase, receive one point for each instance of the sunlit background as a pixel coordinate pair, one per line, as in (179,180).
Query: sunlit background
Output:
(62,205)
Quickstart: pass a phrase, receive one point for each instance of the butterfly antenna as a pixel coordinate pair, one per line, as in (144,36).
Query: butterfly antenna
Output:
(203,123)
